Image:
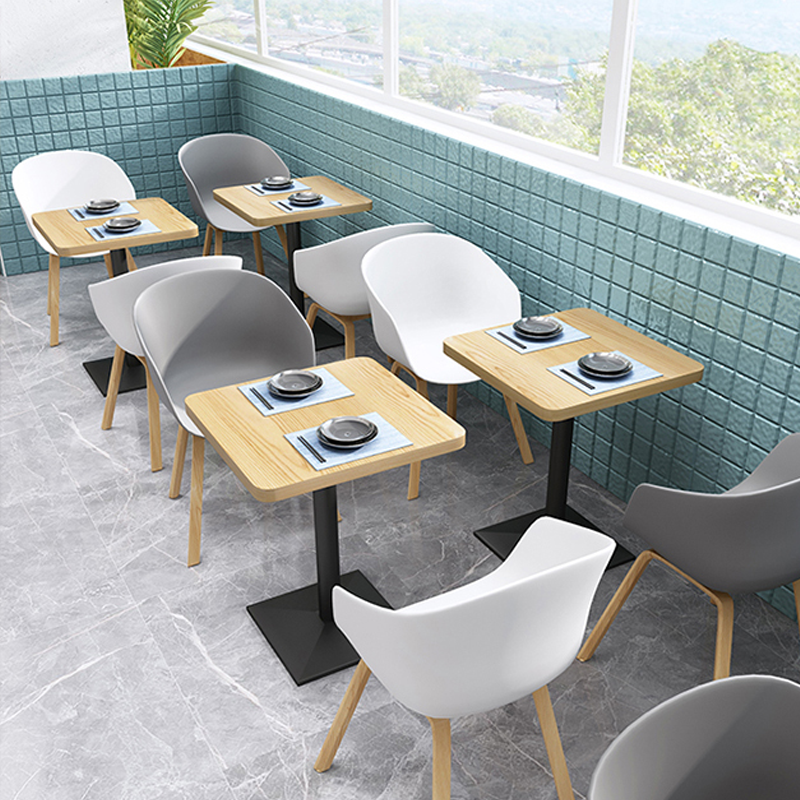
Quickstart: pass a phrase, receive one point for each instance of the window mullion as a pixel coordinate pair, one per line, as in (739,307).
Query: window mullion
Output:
(391,47)
(618,80)
(262,38)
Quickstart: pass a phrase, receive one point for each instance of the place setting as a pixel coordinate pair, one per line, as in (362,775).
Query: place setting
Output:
(530,334)
(118,227)
(293,389)
(305,199)
(340,440)
(598,372)
(101,207)
(277,184)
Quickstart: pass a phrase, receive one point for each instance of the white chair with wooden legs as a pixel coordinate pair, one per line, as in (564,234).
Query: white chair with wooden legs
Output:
(113,302)
(211,328)
(330,274)
(227,159)
(482,645)
(66,179)
(425,287)
(744,540)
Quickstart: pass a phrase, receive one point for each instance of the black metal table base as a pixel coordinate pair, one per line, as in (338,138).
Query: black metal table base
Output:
(133,374)
(325,335)
(309,647)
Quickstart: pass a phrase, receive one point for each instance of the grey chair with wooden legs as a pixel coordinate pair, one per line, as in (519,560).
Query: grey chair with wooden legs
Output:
(733,739)
(330,274)
(425,287)
(204,330)
(480,646)
(113,302)
(227,159)
(744,540)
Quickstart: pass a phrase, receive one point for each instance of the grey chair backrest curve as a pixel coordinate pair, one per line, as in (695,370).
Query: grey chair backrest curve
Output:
(744,540)
(224,159)
(732,739)
(113,299)
(213,328)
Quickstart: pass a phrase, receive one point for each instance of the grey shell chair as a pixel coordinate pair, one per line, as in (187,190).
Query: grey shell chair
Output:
(113,301)
(733,739)
(227,159)
(744,540)
(330,274)
(209,329)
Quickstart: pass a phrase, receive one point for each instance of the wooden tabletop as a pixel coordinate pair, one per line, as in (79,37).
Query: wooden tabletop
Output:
(68,237)
(255,449)
(525,378)
(261,212)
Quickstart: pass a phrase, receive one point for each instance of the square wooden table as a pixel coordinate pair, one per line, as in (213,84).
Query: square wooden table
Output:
(69,238)
(262,213)
(299,625)
(524,377)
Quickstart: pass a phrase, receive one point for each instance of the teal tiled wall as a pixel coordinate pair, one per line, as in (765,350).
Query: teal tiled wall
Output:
(731,305)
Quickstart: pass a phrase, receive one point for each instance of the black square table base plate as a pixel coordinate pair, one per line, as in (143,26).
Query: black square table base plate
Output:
(308,647)
(133,375)
(325,335)
(502,537)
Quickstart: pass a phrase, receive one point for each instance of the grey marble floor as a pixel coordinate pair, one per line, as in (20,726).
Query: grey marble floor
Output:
(126,675)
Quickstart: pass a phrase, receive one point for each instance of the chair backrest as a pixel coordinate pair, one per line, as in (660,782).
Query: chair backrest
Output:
(330,273)
(732,739)
(224,159)
(65,178)
(744,540)
(203,330)
(427,286)
(113,299)
(492,641)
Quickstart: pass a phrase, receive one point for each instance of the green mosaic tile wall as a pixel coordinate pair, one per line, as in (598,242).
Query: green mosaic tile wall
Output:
(139,119)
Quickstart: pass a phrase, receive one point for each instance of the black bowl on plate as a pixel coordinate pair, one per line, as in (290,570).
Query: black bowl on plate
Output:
(277,182)
(605,365)
(102,205)
(294,384)
(347,433)
(122,224)
(538,327)
(306,198)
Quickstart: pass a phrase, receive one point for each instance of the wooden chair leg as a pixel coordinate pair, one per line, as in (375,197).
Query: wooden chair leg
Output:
(342,718)
(422,388)
(178,462)
(413,480)
(109,268)
(452,400)
(196,502)
(153,421)
(722,655)
(613,608)
(259,252)
(349,338)
(552,741)
(217,242)
(54,278)
(281,231)
(113,388)
(207,241)
(129,260)
(441,758)
(519,430)
(311,317)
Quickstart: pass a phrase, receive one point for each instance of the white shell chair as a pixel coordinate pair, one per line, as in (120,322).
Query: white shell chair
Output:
(64,179)
(330,274)
(733,739)
(113,302)
(425,287)
(203,330)
(227,159)
(744,540)
(480,646)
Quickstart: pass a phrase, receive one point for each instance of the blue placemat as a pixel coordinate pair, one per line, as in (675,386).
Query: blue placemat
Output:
(283,205)
(331,389)
(639,373)
(124,209)
(388,438)
(257,188)
(100,234)
(521,345)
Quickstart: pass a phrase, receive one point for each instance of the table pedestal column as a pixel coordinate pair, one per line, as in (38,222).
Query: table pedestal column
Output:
(299,625)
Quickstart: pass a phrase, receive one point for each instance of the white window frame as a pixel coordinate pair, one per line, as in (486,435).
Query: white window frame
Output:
(604,171)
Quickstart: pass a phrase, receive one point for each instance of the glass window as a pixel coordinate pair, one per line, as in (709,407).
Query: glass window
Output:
(231,21)
(508,62)
(715,97)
